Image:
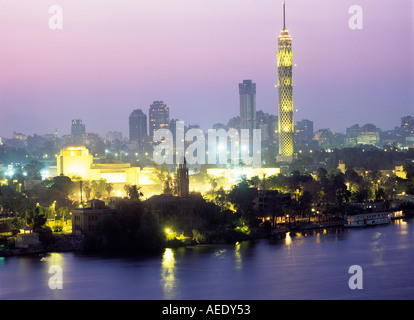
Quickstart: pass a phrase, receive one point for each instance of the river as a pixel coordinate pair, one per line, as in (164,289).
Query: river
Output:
(313,266)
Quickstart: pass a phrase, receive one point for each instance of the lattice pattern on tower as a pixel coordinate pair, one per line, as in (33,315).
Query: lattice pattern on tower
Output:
(285,93)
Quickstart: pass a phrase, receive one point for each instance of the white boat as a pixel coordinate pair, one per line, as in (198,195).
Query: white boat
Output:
(368,219)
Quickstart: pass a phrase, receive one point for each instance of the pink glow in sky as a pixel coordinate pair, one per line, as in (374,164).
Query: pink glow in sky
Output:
(113,56)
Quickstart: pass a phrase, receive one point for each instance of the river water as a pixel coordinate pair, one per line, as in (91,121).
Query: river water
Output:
(313,266)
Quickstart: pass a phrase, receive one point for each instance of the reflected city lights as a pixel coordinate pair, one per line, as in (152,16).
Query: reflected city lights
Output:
(53,259)
(237,256)
(401,222)
(403,226)
(168,274)
(288,239)
(378,249)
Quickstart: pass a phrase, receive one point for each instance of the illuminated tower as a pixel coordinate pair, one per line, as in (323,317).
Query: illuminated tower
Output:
(285,91)
(183,181)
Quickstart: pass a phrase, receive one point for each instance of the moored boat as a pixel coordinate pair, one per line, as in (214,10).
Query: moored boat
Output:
(367,219)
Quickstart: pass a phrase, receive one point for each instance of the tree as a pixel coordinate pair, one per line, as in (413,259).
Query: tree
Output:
(167,185)
(87,191)
(134,192)
(341,190)
(322,175)
(305,204)
(35,219)
(56,190)
(15,202)
(221,200)
(129,229)
(364,191)
(334,188)
(409,170)
(63,185)
(109,187)
(213,184)
(98,188)
(254,181)
(109,232)
(242,196)
(352,177)
(150,236)
(33,169)
(314,188)
(63,212)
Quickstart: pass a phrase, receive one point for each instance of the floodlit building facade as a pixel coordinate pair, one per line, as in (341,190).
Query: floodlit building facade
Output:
(75,160)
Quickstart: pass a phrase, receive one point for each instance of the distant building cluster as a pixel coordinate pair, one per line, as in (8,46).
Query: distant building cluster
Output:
(140,144)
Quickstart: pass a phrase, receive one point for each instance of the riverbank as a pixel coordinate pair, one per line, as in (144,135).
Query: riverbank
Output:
(54,243)
(69,242)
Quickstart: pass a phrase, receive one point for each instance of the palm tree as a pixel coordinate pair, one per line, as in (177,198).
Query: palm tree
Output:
(87,190)
(109,187)
(134,192)
(35,219)
(213,184)
(254,181)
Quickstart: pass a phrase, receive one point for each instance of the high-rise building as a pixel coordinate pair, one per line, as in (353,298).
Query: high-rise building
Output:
(247,91)
(159,116)
(113,136)
(267,123)
(77,128)
(304,131)
(137,126)
(407,125)
(285,91)
(351,135)
(369,134)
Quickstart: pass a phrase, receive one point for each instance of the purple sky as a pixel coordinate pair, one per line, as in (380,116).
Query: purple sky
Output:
(113,56)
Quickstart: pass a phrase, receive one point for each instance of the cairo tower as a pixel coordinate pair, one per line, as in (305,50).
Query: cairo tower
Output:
(285,91)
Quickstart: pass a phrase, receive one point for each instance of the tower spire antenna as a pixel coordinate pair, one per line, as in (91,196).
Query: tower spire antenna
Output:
(284,15)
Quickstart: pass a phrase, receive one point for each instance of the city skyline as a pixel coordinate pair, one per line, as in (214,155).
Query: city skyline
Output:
(108,61)
(125,134)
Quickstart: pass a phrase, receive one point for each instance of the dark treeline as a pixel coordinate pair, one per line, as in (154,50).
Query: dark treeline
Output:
(368,158)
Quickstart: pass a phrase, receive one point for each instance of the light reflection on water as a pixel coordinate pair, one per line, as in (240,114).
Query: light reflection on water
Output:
(237,256)
(168,274)
(307,265)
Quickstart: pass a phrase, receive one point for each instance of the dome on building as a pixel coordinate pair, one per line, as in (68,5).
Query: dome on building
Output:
(74,150)
(75,147)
